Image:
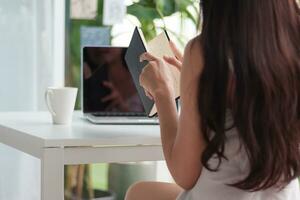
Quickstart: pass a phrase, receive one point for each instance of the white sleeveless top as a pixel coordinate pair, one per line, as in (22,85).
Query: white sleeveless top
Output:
(212,185)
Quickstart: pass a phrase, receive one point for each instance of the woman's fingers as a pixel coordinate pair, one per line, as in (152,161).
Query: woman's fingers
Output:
(148,95)
(142,81)
(173,61)
(145,71)
(141,77)
(114,94)
(109,97)
(108,85)
(176,51)
(148,57)
(112,105)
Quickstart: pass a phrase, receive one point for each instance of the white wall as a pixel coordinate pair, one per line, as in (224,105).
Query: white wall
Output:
(31,58)
(31,51)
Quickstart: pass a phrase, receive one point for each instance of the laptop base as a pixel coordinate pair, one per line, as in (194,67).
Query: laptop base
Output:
(121,120)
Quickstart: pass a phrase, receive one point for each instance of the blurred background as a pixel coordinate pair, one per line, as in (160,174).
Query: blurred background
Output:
(40,46)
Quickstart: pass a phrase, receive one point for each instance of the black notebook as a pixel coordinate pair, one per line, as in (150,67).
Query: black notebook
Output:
(159,47)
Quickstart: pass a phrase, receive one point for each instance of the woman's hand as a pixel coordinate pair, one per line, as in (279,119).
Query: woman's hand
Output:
(156,77)
(177,60)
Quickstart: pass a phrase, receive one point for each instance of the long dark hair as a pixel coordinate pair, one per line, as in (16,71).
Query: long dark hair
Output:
(261,38)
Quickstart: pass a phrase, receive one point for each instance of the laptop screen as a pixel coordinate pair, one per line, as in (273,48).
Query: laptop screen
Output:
(107,84)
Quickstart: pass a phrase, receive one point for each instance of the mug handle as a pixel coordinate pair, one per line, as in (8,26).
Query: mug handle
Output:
(48,102)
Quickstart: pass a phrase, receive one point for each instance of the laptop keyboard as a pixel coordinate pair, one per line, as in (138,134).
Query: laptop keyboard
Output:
(115,114)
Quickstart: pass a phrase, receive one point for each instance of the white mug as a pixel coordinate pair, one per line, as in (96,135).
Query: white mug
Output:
(60,102)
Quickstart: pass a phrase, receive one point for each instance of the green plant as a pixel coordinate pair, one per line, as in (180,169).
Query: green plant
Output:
(147,11)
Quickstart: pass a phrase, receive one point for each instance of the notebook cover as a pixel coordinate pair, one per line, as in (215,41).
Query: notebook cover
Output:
(159,47)
(132,58)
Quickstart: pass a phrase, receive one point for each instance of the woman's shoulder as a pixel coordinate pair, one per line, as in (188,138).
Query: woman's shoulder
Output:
(193,55)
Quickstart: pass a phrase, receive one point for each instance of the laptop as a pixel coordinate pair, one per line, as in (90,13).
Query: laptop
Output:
(109,95)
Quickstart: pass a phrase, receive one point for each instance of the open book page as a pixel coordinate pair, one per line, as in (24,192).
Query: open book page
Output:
(159,47)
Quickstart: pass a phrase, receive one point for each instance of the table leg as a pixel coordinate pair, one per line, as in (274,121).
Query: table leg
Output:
(52,174)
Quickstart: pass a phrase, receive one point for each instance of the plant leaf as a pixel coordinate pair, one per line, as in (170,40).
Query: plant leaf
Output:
(142,12)
(182,5)
(190,16)
(167,7)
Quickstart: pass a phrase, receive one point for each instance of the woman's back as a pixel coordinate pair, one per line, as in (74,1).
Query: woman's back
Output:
(214,185)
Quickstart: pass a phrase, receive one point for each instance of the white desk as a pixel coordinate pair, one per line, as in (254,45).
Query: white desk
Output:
(79,143)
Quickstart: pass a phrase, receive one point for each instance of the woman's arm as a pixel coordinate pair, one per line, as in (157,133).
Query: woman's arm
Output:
(181,137)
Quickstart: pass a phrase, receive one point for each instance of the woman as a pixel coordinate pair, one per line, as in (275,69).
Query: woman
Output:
(238,133)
